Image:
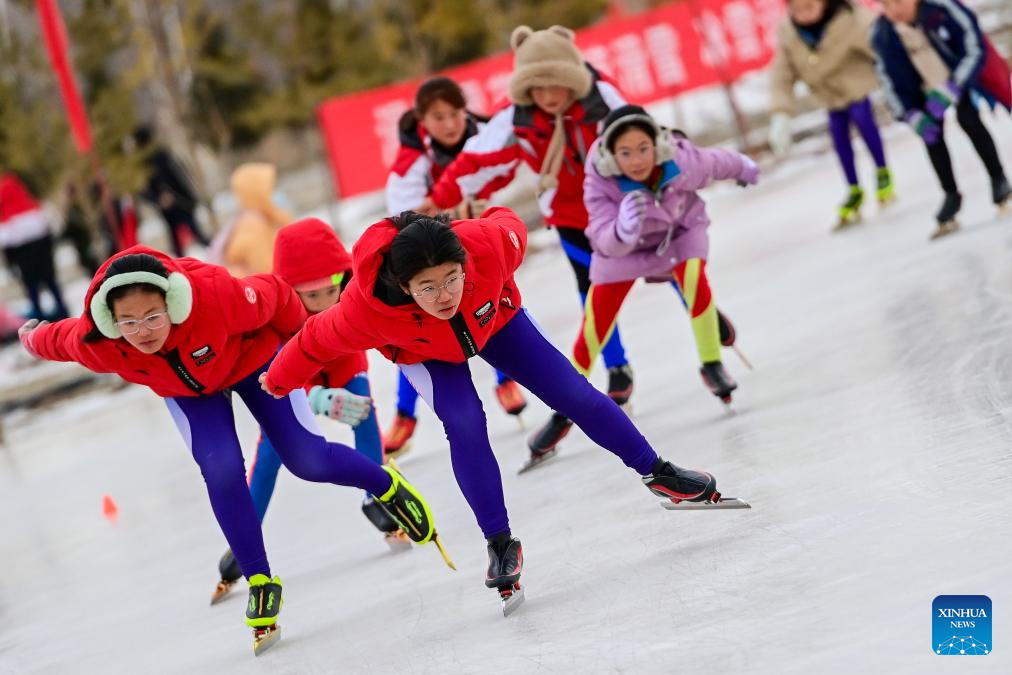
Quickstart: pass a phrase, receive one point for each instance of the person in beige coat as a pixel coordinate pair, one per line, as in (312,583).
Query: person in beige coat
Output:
(826,44)
(246,245)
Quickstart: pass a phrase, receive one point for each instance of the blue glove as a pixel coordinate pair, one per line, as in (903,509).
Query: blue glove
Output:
(940,99)
(925,126)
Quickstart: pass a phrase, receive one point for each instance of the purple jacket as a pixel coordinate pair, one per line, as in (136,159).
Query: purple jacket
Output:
(673,225)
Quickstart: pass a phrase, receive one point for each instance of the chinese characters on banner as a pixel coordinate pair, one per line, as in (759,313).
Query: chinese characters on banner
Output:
(651,56)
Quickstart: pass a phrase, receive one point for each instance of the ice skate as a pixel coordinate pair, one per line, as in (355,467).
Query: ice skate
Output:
(404,504)
(1001,194)
(718,381)
(228,567)
(850,211)
(885,190)
(620,386)
(544,441)
(505,563)
(265,602)
(397,439)
(393,535)
(681,485)
(511,398)
(946,216)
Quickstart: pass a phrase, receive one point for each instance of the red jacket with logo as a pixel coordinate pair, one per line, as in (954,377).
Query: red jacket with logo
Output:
(404,333)
(235,326)
(521,133)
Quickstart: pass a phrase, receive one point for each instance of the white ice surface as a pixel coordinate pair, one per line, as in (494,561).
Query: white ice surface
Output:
(872,441)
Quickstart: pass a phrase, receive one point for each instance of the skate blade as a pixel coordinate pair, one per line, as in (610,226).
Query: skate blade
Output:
(265,638)
(399,452)
(222,591)
(847,223)
(722,503)
(535,462)
(945,229)
(521,423)
(511,603)
(442,551)
(748,364)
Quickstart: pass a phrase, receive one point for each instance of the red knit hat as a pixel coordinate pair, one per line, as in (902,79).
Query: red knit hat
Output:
(308,255)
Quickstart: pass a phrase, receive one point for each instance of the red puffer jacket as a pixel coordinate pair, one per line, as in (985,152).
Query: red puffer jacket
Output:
(495,245)
(234,327)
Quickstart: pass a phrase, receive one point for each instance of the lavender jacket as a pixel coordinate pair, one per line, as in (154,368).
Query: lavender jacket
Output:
(673,227)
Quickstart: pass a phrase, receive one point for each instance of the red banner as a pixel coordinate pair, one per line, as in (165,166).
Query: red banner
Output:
(652,56)
(55,36)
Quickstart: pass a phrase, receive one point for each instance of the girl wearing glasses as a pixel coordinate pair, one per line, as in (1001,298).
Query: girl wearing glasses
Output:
(195,334)
(429,295)
(432,134)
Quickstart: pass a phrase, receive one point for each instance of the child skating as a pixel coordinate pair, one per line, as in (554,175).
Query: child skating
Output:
(932,55)
(432,133)
(647,222)
(195,335)
(558,105)
(309,257)
(429,296)
(825,44)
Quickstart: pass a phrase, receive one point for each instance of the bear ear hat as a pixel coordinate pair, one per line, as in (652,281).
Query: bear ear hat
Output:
(563,31)
(521,33)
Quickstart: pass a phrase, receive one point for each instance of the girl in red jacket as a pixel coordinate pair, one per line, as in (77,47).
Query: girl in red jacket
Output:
(432,134)
(429,295)
(310,258)
(194,334)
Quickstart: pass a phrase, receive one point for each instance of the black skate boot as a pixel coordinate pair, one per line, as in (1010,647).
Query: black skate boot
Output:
(946,216)
(505,562)
(1001,192)
(395,537)
(544,441)
(718,381)
(620,384)
(677,484)
(265,601)
(228,567)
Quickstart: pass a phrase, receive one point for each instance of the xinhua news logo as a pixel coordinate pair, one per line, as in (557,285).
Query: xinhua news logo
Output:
(961,625)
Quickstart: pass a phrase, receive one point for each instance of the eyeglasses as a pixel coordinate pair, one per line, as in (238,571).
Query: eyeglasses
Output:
(432,293)
(151,322)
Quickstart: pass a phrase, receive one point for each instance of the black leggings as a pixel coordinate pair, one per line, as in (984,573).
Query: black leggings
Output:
(969,120)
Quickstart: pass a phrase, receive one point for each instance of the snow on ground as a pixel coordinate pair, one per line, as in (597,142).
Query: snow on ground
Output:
(872,441)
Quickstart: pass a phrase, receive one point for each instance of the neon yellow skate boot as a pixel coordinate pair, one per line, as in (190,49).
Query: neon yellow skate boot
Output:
(265,601)
(885,190)
(850,210)
(406,506)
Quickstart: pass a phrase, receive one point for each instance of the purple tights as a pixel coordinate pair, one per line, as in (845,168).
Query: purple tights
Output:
(862,116)
(521,352)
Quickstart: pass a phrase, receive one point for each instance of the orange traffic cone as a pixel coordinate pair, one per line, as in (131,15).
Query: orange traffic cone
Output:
(109,509)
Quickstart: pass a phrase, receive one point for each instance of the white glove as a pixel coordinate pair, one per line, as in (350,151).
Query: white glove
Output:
(339,404)
(631,212)
(780,134)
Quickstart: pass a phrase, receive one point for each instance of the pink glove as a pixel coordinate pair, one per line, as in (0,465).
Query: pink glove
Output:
(749,172)
(631,213)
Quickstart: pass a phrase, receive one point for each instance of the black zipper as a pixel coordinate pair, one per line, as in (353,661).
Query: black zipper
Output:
(464,337)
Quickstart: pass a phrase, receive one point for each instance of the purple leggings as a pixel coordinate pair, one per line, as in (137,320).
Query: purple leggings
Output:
(208,427)
(862,116)
(525,355)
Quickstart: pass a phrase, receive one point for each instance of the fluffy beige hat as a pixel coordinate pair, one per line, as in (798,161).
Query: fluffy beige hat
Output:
(546,58)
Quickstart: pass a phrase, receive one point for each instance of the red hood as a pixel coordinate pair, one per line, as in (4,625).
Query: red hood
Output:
(367,257)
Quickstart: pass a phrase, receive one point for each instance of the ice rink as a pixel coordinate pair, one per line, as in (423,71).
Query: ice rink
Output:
(872,439)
